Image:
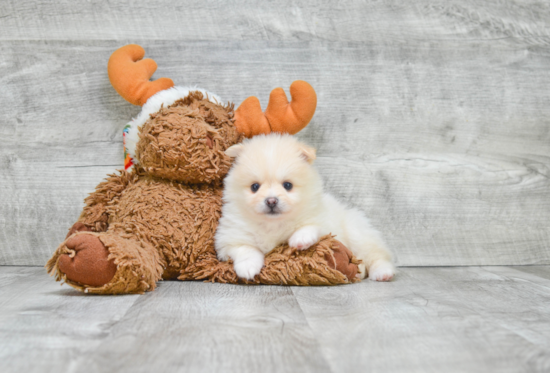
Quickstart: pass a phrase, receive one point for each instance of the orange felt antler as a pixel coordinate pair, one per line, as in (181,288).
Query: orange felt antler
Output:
(129,75)
(280,116)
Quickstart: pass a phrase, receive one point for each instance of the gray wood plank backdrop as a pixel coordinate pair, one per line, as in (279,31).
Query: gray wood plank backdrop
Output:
(433,116)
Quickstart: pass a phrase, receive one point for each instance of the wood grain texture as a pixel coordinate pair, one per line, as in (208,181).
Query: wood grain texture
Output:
(354,20)
(45,328)
(540,271)
(193,326)
(432,116)
(203,327)
(477,319)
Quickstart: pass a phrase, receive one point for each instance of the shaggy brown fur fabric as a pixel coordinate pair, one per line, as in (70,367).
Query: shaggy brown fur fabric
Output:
(174,143)
(158,221)
(326,263)
(179,220)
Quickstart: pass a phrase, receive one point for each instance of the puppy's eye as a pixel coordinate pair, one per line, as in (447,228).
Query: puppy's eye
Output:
(287,185)
(254,187)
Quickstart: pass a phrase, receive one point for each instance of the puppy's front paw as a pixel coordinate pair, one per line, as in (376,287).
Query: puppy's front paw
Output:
(249,265)
(381,270)
(304,238)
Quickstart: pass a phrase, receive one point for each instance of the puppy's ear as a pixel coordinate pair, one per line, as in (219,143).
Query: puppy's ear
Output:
(235,150)
(308,153)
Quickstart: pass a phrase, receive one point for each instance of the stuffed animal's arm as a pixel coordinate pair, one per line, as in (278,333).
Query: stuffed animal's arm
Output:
(95,216)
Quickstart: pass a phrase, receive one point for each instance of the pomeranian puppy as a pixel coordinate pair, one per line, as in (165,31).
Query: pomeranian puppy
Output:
(273,195)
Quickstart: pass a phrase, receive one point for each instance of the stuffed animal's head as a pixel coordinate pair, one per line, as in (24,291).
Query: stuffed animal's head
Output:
(184,140)
(182,133)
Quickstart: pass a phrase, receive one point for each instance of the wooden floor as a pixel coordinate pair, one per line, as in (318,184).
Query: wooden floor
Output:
(443,319)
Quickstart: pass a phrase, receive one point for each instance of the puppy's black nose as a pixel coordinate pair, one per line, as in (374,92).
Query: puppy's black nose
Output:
(271,202)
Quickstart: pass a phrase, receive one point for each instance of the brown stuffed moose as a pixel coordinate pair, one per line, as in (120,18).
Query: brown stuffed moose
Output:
(157,218)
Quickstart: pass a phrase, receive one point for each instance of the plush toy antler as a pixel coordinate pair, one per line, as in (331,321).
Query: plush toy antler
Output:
(280,116)
(130,75)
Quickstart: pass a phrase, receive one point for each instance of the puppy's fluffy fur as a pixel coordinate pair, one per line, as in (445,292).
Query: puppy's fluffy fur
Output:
(274,195)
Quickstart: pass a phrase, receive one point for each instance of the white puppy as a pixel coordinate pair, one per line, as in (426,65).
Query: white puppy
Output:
(274,195)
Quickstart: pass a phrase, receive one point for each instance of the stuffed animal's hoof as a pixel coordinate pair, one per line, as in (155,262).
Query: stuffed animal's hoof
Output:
(342,260)
(88,264)
(78,227)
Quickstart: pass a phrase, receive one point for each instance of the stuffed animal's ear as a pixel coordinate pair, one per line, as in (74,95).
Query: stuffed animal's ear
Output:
(308,153)
(235,150)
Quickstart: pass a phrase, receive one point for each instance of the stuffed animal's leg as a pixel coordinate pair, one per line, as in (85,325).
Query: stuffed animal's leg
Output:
(95,216)
(104,263)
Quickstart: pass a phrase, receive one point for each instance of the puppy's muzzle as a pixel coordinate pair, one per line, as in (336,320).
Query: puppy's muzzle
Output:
(272,203)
